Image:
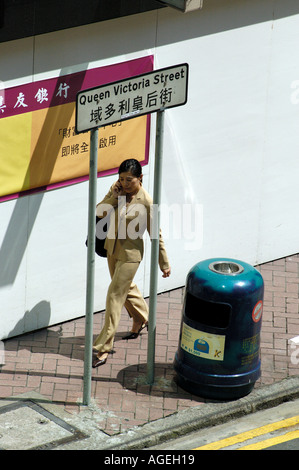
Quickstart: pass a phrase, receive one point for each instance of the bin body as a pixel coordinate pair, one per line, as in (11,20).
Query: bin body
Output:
(218,355)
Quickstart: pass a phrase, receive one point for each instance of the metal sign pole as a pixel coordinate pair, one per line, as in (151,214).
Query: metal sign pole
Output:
(155,249)
(93,170)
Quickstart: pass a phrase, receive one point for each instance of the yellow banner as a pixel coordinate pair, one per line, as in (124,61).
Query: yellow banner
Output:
(41,148)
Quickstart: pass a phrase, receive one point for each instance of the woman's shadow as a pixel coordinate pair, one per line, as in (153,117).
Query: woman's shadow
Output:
(52,340)
(49,339)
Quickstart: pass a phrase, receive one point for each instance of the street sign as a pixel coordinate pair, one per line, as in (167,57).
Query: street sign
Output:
(125,99)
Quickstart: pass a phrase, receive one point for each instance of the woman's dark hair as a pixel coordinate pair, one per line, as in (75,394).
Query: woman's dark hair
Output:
(131,165)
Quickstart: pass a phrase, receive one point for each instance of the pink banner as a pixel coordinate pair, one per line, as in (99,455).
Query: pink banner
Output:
(37,132)
(61,90)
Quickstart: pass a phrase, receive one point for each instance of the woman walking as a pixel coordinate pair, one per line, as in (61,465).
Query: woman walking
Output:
(130,215)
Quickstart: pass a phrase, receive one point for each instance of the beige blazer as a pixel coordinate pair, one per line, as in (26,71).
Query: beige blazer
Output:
(127,224)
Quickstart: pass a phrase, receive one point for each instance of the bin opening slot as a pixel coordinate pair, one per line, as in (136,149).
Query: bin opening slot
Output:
(207,313)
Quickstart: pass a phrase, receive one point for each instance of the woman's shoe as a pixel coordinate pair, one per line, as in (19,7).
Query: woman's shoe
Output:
(132,335)
(99,362)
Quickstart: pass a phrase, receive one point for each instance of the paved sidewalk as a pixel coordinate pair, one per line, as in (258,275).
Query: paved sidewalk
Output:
(49,362)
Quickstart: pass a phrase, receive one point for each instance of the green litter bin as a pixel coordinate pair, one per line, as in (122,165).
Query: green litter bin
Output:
(218,356)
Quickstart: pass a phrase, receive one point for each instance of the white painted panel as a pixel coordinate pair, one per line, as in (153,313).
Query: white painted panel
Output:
(230,154)
(214,145)
(280,189)
(13,266)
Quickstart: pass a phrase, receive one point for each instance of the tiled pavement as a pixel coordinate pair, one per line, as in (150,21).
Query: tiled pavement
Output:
(50,361)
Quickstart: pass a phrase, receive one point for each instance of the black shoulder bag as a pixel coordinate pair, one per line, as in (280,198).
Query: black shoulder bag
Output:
(99,242)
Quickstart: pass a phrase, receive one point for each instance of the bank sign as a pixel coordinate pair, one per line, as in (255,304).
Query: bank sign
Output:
(132,97)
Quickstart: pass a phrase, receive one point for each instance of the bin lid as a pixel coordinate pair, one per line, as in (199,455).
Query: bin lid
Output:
(223,278)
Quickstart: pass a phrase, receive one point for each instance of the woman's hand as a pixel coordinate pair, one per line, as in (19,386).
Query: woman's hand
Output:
(166,272)
(117,189)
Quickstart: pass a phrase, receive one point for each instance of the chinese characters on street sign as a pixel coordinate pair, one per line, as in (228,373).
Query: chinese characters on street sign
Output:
(132,97)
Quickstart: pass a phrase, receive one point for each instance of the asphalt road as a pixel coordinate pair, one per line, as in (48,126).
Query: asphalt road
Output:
(273,429)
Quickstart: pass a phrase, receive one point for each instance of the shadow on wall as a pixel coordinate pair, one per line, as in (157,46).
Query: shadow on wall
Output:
(33,319)
(26,208)
(20,226)
(16,238)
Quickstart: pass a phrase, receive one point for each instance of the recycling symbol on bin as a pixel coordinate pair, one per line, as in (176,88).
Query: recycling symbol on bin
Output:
(202,346)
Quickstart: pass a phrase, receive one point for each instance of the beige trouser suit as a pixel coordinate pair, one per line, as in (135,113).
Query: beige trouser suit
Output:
(124,254)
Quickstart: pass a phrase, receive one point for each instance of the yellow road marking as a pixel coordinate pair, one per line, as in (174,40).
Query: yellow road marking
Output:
(272,441)
(244,436)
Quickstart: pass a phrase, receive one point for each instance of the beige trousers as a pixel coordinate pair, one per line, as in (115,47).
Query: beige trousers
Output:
(121,292)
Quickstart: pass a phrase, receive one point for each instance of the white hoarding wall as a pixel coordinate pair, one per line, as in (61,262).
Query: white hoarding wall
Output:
(230,161)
